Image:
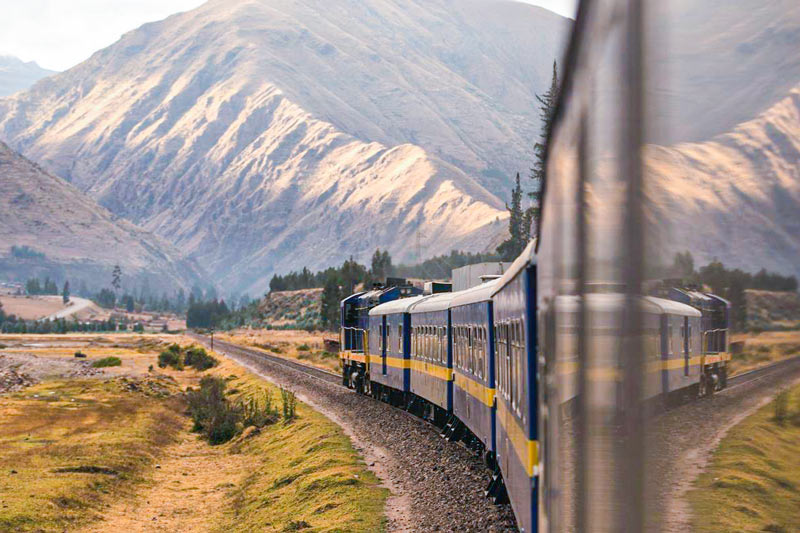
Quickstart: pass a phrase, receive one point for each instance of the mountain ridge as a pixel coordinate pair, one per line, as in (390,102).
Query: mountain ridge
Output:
(204,128)
(81,241)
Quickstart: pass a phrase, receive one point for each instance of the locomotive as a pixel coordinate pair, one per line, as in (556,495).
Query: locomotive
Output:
(472,361)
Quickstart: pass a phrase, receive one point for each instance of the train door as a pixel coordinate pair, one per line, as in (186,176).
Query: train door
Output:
(384,344)
(686,354)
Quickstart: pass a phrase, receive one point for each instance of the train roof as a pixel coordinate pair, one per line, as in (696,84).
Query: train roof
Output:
(606,302)
(432,303)
(353,297)
(480,293)
(671,307)
(527,257)
(401,305)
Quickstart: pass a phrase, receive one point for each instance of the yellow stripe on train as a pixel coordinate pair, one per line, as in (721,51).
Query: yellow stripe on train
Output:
(527,450)
(441,372)
(480,391)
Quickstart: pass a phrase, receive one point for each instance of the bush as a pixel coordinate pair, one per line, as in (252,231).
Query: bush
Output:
(289,401)
(3,346)
(258,413)
(199,359)
(80,355)
(303,348)
(170,358)
(782,407)
(107,362)
(220,420)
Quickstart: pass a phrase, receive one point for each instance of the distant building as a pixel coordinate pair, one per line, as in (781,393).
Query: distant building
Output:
(470,275)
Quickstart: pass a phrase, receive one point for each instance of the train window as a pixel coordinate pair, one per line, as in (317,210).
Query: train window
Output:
(400,338)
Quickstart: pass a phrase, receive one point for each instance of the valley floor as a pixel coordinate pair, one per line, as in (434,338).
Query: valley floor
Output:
(91,450)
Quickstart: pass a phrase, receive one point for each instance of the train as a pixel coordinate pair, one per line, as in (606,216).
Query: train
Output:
(473,362)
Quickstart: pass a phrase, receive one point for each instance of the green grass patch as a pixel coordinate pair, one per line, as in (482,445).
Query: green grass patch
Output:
(308,477)
(69,448)
(753,481)
(106,362)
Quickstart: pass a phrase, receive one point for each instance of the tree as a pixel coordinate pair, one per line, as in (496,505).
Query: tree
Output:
(683,265)
(65,293)
(32,286)
(329,307)
(518,227)
(547,111)
(116,278)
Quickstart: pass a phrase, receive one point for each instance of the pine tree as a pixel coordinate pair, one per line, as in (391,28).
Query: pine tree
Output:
(547,110)
(518,226)
(116,278)
(65,293)
(329,308)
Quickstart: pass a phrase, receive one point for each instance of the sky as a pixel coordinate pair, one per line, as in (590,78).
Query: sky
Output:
(59,34)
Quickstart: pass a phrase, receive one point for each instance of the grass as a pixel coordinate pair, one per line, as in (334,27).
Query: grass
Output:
(306,475)
(753,482)
(303,346)
(762,349)
(107,362)
(67,448)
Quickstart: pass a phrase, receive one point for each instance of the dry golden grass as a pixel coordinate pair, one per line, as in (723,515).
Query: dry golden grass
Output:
(106,437)
(763,348)
(69,447)
(293,344)
(31,307)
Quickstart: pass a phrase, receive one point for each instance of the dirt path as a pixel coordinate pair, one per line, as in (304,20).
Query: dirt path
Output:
(186,492)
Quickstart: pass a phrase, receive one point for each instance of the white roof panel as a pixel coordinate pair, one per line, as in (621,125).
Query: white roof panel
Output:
(395,306)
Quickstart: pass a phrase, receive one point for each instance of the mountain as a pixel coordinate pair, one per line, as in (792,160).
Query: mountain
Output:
(716,64)
(266,135)
(80,240)
(16,75)
(735,197)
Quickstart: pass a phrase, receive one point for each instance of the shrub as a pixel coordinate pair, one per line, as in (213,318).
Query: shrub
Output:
(212,414)
(199,359)
(107,362)
(258,413)
(170,358)
(303,348)
(218,419)
(782,407)
(289,401)
(80,355)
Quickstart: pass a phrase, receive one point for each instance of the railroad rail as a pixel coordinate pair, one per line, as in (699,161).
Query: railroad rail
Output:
(318,373)
(751,376)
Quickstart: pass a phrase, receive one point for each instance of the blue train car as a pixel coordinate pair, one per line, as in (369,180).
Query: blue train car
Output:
(516,433)
(432,355)
(389,347)
(354,353)
(473,363)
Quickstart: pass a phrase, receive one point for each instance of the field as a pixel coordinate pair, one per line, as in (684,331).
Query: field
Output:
(753,482)
(754,350)
(292,344)
(112,450)
(31,307)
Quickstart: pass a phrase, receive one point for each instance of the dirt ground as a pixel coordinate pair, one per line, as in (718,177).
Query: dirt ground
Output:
(191,476)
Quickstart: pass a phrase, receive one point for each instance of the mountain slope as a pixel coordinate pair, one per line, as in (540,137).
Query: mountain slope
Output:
(81,241)
(736,197)
(264,135)
(16,75)
(724,61)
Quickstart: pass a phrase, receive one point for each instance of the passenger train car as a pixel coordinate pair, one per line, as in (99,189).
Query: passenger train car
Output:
(471,363)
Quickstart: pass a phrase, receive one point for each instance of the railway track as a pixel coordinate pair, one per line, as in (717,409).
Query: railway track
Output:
(746,378)
(312,371)
(751,376)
